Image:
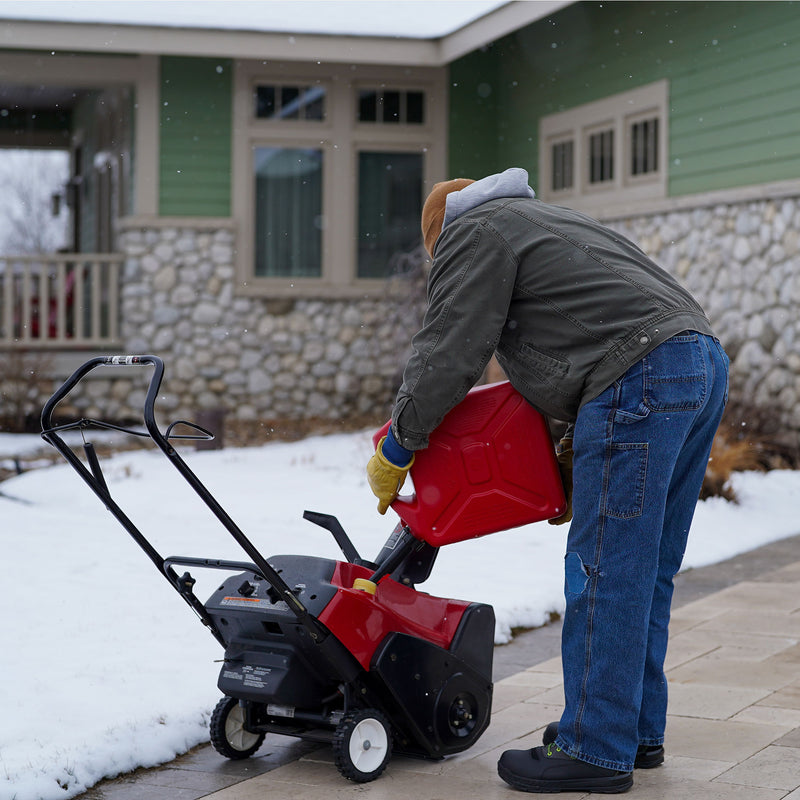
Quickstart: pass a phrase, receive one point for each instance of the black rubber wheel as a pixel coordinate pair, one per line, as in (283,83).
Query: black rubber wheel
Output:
(228,734)
(362,745)
(461,712)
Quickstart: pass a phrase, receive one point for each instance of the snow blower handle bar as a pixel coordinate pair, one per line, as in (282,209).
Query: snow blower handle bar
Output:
(94,478)
(105,361)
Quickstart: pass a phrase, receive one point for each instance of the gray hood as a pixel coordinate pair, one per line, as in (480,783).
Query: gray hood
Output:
(511,183)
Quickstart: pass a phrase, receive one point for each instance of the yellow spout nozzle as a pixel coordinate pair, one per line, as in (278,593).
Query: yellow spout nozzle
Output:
(365,585)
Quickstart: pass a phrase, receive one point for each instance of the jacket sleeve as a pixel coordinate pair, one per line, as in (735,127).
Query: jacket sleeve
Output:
(469,291)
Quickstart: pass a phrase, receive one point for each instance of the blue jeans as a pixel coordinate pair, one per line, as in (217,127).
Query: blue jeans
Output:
(640,453)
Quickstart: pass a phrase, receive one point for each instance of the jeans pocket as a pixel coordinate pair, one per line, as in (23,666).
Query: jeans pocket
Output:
(622,417)
(726,362)
(629,405)
(675,375)
(627,472)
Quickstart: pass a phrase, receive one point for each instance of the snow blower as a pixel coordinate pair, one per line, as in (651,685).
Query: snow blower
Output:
(351,653)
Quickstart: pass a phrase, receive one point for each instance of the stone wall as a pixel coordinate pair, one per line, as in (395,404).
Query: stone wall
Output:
(742,262)
(254,358)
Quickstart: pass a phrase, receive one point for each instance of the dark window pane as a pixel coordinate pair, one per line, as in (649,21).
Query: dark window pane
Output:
(415,107)
(601,157)
(290,105)
(562,166)
(389,209)
(391,106)
(644,147)
(367,106)
(314,102)
(265,101)
(288,212)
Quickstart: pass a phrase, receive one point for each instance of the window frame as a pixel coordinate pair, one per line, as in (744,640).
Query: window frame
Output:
(589,185)
(619,113)
(635,119)
(341,137)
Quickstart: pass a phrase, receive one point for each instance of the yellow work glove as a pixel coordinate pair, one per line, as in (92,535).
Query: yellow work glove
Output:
(385,479)
(564,459)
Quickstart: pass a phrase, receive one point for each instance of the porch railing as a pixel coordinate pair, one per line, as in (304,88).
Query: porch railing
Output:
(59,301)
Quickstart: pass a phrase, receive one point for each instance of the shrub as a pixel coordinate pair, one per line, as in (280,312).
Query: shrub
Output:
(749,438)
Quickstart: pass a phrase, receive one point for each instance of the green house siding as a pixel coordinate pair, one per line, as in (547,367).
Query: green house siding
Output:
(195,137)
(734,86)
(473,143)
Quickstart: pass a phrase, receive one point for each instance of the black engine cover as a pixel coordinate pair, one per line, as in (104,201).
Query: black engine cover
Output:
(269,657)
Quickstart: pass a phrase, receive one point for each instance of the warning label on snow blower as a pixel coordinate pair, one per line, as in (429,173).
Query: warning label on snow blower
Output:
(253,602)
(256,677)
(253,677)
(241,602)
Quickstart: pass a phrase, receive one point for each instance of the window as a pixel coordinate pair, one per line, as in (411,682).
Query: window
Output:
(391,106)
(288,211)
(290,102)
(644,146)
(389,209)
(601,156)
(330,170)
(606,153)
(562,166)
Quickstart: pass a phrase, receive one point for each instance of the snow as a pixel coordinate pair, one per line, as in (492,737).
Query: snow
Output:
(411,18)
(105,669)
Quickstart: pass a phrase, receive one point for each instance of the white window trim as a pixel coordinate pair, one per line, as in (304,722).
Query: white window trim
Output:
(617,112)
(341,137)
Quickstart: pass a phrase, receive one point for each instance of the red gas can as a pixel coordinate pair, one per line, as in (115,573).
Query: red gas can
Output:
(489,466)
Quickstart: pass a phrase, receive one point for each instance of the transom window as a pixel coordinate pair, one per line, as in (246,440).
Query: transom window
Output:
(290,102)
(608,152)
(391,106)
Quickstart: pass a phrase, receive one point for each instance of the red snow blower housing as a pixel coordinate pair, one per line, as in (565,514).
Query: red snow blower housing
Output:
(350,652)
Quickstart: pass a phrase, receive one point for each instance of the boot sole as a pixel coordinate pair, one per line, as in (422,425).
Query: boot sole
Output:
(612,785)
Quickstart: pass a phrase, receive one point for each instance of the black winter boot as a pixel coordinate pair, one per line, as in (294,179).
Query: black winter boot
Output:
(550,769)
(647,756)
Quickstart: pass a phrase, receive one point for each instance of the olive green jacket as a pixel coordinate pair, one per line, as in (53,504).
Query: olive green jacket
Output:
(567,303)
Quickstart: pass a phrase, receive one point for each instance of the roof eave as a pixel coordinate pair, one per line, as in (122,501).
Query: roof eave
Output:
(496,24)
(161,40)
(60,37)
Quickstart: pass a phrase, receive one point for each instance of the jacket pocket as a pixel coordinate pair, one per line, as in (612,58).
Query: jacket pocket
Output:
(545,365)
